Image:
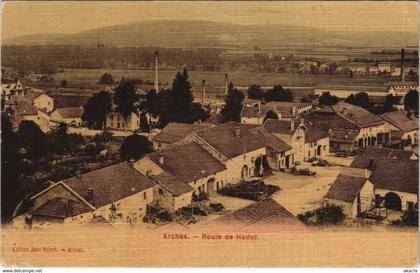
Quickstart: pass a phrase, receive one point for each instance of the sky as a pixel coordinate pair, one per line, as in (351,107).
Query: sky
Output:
(27,18)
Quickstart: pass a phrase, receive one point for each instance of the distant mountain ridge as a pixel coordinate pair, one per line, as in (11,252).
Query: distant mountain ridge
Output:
(198,34)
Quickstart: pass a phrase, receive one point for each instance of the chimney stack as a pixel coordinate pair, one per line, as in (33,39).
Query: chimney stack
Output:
(402,75)
(203,91)
(292,125)
(161,159)
(156,82)
(226,84)
(372,164)
(237,131)
(90,194)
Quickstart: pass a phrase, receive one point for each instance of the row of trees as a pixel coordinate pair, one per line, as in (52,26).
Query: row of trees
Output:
(23,152)
(277,93)
(361,99)
(171,105)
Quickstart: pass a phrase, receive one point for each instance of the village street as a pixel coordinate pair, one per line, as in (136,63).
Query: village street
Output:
(299,193)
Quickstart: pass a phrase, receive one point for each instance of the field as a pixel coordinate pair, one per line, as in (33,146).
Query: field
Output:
(88,78)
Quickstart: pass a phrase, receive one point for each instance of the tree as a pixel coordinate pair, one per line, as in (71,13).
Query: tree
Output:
(411,101)
(231,111)
(360,99)
(197,112)
(326,99)
(390,100)
(96,109)
(182,97)
(255,92)
(328,214)
(11,188)
(278,93)
(134,147)
(32,139)
(62,142)
(106,79)
(125,98)
(271,115)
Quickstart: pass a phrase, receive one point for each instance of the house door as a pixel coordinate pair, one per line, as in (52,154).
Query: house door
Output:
(287,161)
(210,183)
(318,150)
(244,172)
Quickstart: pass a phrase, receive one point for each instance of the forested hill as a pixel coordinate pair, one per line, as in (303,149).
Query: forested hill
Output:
(198,34)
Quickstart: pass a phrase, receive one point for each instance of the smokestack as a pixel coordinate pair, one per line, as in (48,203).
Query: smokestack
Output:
(226,84)
(203,91)
(402,76)
(161,159)
(156,72)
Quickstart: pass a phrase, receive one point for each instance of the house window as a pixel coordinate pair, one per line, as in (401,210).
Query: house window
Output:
(325,147)
(145,195)
(244,157)
(111,116)
(160,191)
(112,124)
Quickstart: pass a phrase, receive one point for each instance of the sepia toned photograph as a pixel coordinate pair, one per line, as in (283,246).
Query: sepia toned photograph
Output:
(209,134)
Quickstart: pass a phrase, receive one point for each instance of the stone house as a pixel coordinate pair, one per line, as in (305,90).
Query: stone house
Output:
(234,145)
(181,171)
(394,174)
(350,127)
(117,193)
(116,121)
(174,132)
(69,115)
(353,191)
(403,126)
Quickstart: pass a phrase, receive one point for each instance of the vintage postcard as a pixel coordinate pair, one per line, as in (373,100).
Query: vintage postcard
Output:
(209,134)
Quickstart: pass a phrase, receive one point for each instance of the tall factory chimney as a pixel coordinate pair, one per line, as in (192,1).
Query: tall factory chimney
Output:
(402,75)
(203,91)
(226,84)
(156,82)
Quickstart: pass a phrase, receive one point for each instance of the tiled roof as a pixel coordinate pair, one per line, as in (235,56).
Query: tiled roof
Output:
(25,107)
(270,140)
(61,208)
(70,112)
(276,126)
(256,111)
(32,95)
(396,174)
(171,183)
(375,152)
(314,133)
(357,115)
(110,184)
(400,120)
(264,212)
(224,140)
(286,108)
(174,132)
(345,136)
(345,188)
(187,162)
